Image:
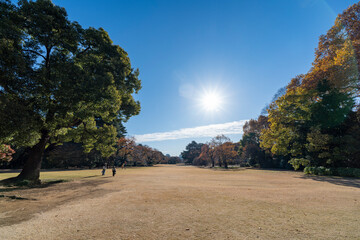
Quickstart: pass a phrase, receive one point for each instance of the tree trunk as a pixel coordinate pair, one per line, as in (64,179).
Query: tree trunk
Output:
(31,170)
(225,164)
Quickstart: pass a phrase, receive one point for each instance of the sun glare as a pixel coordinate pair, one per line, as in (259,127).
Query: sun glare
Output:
(211,101)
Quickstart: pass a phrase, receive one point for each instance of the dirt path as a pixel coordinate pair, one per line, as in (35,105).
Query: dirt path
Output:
(171,202)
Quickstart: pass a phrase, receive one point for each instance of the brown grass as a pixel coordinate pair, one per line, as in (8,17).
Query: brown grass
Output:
(172,202)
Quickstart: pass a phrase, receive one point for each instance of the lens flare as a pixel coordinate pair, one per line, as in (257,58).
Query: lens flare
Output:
(211,101)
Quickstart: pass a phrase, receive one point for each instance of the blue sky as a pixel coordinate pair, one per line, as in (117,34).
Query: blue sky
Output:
(244,51)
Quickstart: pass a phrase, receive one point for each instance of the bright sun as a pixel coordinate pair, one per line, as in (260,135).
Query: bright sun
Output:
(211,101)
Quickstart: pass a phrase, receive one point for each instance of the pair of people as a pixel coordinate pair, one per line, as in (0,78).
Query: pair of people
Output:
(113,170)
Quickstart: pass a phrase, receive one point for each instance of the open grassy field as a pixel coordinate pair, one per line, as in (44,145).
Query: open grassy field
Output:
(58,175)
(179,202)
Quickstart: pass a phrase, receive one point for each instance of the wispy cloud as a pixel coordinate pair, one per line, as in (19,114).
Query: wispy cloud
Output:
(196,132)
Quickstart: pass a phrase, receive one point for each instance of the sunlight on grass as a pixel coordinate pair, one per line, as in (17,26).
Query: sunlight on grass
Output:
(63,175)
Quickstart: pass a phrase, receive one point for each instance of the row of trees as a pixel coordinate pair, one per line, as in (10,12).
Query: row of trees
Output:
(312,122)
(73,155)
(315,120)
(132,154)
(219,151)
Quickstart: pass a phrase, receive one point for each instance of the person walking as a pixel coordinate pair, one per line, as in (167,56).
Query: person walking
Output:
(114,171)
(103,171)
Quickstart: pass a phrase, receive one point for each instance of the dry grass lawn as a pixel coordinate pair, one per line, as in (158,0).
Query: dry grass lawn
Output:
(179,202)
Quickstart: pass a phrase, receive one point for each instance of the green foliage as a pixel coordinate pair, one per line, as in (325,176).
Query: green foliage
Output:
(249,146)
(323,171)
(331,107)
(314,123)
(69,155)
(192,151)
(348,172)
(171,160)
(298,162)
(288,117)
(61,82)
(307,125)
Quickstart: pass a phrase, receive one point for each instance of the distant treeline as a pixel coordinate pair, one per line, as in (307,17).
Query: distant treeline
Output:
(313,123)
(72,155)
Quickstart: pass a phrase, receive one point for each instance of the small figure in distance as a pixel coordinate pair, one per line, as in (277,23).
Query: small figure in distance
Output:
(103,170)
(114,171)
(123,165)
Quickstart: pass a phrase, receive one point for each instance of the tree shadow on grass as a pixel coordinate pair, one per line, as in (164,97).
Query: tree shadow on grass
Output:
(342,181)
(18,188)
(13,183)
(230,169)
(10,189)
(91,176)
(48,195)
(15,197)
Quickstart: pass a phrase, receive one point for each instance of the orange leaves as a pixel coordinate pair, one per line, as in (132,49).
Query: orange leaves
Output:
(125,146)
(5,152)
(337,57)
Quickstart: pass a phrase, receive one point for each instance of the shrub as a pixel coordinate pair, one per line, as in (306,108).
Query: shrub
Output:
(343,172)
(328,171)
(348,172)
(299,162)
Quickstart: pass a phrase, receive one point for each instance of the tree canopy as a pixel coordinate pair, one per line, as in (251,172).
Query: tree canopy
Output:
(60,82)
(311,124)
(192,151)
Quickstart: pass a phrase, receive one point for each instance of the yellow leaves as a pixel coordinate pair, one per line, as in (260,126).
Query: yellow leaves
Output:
(335,60)
(344,54)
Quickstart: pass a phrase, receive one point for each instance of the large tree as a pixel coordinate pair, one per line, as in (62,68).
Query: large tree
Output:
(205,156)
(226,153)
(311,122)
(124,148)
(249,145)
(307,125)
(142,155)
(60,82)
(218,150)
(191,152)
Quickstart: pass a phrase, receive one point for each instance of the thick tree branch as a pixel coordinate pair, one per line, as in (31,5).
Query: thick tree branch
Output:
(84,51)
(47,59)
(35,52)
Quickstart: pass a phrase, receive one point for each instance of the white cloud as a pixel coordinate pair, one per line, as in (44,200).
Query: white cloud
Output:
(196,132)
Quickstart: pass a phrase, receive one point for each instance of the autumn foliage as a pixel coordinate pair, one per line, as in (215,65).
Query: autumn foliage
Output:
(6,152)
(129,153)
(315,121)
(219,151)
(312,122)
